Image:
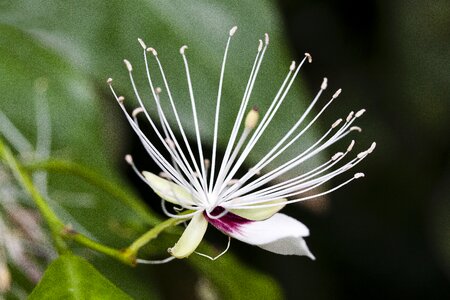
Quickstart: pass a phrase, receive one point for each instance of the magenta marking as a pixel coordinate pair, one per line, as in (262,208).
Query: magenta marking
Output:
(228,223)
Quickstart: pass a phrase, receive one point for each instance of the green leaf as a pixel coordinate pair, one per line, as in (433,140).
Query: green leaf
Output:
(71,277)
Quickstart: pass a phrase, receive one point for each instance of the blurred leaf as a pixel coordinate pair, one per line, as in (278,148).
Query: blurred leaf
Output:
(71,277)
(236,283)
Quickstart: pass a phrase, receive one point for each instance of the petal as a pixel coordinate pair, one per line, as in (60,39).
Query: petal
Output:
(262,213)
(191,237)
(280,233)
(168,190)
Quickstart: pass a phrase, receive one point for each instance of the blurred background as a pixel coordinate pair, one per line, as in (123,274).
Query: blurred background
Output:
(384,237)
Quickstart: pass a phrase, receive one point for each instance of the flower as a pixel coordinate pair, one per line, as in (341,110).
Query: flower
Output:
(244,208)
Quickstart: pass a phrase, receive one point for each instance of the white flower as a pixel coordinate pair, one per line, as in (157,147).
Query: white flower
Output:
(244,208)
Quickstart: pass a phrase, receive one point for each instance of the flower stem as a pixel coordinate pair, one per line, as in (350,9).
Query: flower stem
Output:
(144,239)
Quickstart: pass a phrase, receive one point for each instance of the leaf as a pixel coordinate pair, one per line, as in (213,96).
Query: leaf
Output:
(71,277)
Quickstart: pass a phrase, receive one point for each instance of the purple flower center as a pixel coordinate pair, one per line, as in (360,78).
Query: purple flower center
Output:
(227,223)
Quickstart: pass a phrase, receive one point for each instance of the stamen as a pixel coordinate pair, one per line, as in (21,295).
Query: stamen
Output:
(216,257)
(142,43)
(324,84)
(350,147)
(360,113)
(309,57)
(128,65)
(338,92)
(252,118)
(137,111)
(233,30)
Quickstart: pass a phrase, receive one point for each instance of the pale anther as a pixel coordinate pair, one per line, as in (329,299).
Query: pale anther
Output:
(252,118)
(233,30)
(350,147)
(309,57)
(260,45)
(350,116)
(120,99)
(372,147)
(182,49)
(153,51)
(292,66)
(170,143)
(359,113)
(142,43)
(158,90)
(355,128)
(338,92)
(324,83)
(266,38)
(129,159)
(128,65)
(109,81)
(335,124)
(336,156)
(359,175)
(137,111)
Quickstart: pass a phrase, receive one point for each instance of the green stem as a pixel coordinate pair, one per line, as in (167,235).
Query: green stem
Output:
(24,179)
(97,180)
(83,240)
(153,233)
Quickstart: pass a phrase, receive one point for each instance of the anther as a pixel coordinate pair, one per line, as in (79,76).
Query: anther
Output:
(336,156)
(232,182)
(142,43)
(338,92)
(153,51)
(109,81)
(372,147)
(266,38)
(292,66)
(137,111)
(359,113)
(233,30)
(335,124)
(128,65)
(324,84)
(207,163)
(182,49)
(164,175)
(350,147)
(309,57)
(158,90)
(362,154)
(120,99)
(170,143)
(129,159)
(260,46)
(359,175)
(252,118)
(355,128)
(350,116)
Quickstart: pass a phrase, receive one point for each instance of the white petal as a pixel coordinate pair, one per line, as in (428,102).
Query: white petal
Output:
(168,190)
(191,237)
(261,213)
(280,234)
